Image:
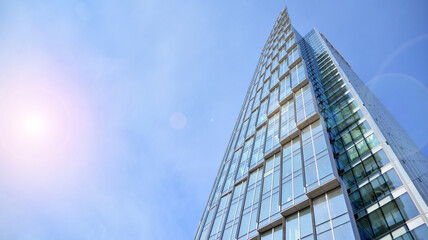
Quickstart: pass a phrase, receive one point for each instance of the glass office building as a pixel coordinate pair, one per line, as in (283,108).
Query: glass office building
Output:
(315,155)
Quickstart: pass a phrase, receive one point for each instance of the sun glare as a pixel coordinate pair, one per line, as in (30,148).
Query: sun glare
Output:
(33,125)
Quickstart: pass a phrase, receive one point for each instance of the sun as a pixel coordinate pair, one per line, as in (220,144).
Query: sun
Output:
(34,125)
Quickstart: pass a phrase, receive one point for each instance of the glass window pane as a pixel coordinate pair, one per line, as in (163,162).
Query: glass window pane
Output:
(378,223)
(420,232)
(292,228)
(381,158)
(392,179)
(277,235)
(372,141)
(392,214)
(320,210)
(305,222)
(343,232)
(406,206)
(337,203)
(365,229)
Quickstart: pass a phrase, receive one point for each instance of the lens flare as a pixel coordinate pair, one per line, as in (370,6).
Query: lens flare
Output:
(34,124)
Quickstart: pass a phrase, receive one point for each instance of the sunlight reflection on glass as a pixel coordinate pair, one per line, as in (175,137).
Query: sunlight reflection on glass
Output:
(178,120)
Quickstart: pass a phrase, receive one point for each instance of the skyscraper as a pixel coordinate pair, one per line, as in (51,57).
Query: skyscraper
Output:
(315,155)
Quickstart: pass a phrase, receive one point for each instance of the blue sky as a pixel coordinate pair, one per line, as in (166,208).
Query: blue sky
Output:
(147,94)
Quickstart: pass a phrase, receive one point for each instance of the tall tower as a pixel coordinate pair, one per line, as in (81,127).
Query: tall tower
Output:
(315,155)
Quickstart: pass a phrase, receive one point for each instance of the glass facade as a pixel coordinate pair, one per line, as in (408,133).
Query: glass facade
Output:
(306,160)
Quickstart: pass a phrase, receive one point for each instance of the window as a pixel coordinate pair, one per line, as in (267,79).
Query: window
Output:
(292,227)
(234,212)
(265,90)
(273,234)
(290,42)
(293,55)
(274,80)
(257,99)
(288,120)
(298,74)
(243,164)
(284,87)
(231,174)
(407,207)
(262,112)
(242,134)
(392,179)
(220,217)
(272,136)
(270,192)
(331,216)
(258,153)
(299,225)
(305,106)
(273,101)
(249,214)
(316,157)
(249,107)
(292,175)
(252,124)
(283,67)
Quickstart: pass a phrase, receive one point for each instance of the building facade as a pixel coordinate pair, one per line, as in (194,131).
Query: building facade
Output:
(315,155)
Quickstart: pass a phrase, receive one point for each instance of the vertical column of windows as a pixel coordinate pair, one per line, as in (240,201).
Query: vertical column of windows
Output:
(290,43)
(254,88)
(265,90)
(273,234)
(268,71)
(274,100)
(285,87)
(272,136)
(305,106)
(292,175)
(258,150)
(249,215)
(207,224)
(282,52)
(220,183)
(262,112)
(257,99)
(248,109)
(234,212)
(269,207)
(275,78)
(283,67)
(231,173)
(315,155)
(331,217)
(299,226)
(219,218)
(242,134)
(252,123)
(293,55)
(298,74)
(245,158)
(288,120)
(275,59)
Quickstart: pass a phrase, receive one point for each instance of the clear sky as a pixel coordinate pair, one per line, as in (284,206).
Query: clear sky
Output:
(116,114)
